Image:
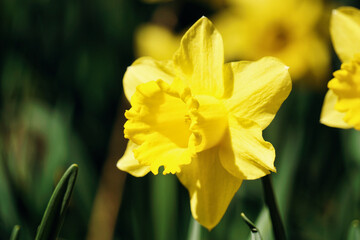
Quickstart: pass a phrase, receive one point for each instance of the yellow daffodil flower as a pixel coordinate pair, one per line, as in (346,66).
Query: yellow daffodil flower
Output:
(341,106)
(202,119)
(285,29)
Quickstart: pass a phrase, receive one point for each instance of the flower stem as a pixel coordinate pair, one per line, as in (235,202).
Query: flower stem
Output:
(194,230)
(270,201)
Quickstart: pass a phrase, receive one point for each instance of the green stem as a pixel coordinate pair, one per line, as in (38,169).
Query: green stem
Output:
(270,201)
(194,230)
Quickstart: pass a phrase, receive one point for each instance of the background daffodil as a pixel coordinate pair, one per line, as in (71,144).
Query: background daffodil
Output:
(341,106)
(155,41)
(283,29)
(215,3)
(203,119)
(288,30)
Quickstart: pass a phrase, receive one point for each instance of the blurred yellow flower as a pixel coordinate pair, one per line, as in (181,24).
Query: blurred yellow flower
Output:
(203,119)
(215,3)
(341,106)
(285,29)
(155,41)
(252,29)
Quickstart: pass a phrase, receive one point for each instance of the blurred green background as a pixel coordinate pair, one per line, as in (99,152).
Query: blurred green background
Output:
(61,102)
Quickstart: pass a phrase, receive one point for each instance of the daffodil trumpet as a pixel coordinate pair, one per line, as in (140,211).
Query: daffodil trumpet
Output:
(202,119)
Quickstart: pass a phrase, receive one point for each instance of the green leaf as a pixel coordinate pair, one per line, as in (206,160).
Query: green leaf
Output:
(15,233)
(255,234)
(354,230)
(53,218)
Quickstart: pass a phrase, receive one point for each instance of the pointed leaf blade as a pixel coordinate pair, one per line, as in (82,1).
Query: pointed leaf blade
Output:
(53,218)
(354,230)
(15,233)
(255,234)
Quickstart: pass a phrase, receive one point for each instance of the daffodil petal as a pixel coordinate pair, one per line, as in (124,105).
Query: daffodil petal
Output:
(260,88)
(144,70)
(200,59)
(329,116)
(244,153)
(128,162)
(210,186)
(345,32)
(159,151)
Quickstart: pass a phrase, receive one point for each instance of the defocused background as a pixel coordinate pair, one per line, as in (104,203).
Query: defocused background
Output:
(62,102)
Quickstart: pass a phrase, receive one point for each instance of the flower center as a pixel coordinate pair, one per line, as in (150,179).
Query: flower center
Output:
(346,85)
(157,108)
(276,38)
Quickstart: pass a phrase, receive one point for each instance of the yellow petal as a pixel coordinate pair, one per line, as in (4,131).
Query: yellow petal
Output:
(329,116)
(159,151)
(244,153)
(345,32)
(128,162)
(259,89)
(200,59)
(144,70)
(210,186)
